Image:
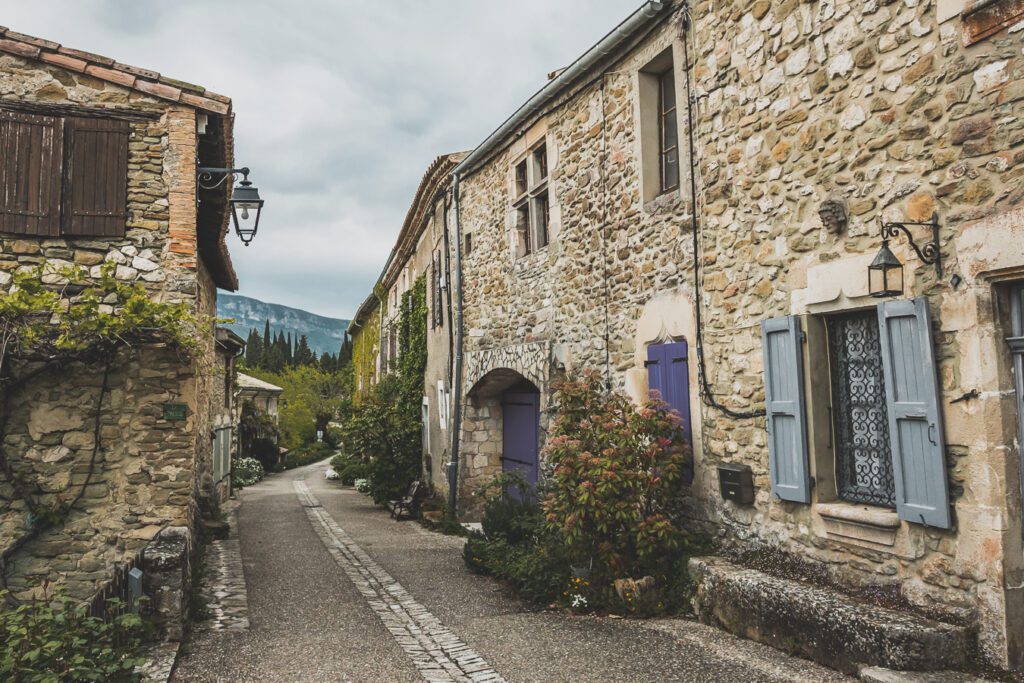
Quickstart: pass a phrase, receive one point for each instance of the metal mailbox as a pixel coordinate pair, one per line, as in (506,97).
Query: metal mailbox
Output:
(736,483)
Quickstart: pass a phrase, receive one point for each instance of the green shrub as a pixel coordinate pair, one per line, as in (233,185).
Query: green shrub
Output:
(245,472)
(353,471)
(332,437)
(615,490)
(304,455)
(340,462)
(267,453)
(608,533)
(55,641)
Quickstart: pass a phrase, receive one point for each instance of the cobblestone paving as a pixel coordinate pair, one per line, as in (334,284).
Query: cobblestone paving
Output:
(223,583)
(439,655)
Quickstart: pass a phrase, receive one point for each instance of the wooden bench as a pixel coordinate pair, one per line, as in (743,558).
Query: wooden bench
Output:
(409,505)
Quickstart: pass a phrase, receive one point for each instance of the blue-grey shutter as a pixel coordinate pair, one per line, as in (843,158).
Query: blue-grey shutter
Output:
(782,343)
(915,421)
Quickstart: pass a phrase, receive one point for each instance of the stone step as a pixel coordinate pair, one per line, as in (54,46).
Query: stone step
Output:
(821,624)
(877,674)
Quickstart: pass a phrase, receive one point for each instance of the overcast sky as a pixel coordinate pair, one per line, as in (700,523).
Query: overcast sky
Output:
(340,105)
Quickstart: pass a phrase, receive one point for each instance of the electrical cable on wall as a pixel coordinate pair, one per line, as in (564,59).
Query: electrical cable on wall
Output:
(706,394)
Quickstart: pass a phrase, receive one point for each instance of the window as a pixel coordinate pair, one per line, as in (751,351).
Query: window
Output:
(531,202)
(63,176)
(861,420)
(885,410)
(668,138)
(436,298)
(1016,342)
(468,243)
(659,127)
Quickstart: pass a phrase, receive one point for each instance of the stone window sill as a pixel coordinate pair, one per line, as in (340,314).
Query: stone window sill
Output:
(663,203)
(859,524)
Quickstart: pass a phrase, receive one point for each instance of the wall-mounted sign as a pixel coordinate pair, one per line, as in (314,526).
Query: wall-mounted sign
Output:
(175,411)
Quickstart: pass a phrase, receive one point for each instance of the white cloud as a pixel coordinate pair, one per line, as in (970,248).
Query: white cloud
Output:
(340,105)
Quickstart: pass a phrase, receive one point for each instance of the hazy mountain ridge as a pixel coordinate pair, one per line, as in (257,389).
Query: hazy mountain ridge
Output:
(322,333)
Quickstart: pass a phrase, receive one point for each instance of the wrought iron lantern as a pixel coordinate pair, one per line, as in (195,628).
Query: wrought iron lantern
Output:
(246,204)
(885,274)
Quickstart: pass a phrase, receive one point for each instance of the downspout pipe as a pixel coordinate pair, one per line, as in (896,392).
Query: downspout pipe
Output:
(606,46)
(456,382)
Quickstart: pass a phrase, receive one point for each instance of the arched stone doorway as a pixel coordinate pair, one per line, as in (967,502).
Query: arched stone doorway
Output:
(500,433)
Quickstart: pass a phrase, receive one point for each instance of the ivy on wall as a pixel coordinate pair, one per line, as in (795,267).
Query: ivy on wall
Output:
(384,429)
(364,354)
(51,318)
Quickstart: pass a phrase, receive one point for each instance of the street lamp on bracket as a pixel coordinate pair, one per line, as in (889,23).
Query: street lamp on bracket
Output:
(246,204)
(885,274)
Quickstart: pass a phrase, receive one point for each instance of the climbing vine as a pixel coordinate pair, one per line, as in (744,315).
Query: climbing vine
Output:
(385,428)
(51,318)
(364,360)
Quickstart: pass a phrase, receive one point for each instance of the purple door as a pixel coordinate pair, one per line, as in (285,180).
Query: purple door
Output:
(521,434)
(668,372)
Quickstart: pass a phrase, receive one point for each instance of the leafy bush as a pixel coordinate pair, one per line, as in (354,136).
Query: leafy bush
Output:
(54,640)
(515,544)
(608,533)
(385,427)
(314,452)
(245,472)
(615,486)
(332,437)
(267,453)
(362,485)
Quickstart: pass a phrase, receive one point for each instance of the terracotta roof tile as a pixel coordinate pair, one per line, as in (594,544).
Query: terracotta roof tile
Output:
(106,69)
(204,103)
(32,40)
(65,61)
(19,48)
(103,73)
(183,85)
(87,56)
(159,89)
(138,71)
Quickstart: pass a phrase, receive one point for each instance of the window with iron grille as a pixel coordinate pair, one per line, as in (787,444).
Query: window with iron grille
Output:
(63,176)
(864,465)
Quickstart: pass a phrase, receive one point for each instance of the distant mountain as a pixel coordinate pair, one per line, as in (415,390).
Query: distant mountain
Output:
(323,334)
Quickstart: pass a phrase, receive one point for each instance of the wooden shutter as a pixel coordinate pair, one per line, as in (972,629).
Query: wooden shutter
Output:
(31,149)
(96,177)
(782,342)
(915,421)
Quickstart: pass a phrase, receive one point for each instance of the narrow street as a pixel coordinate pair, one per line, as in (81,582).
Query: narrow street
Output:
(337,591)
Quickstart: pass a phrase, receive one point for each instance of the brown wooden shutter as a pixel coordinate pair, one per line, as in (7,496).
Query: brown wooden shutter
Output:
(96,178)
(31,149)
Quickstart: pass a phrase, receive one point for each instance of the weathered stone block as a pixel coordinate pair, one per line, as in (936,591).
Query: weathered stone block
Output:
(822,624)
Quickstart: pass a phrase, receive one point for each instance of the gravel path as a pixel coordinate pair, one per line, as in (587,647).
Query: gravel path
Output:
(337,591)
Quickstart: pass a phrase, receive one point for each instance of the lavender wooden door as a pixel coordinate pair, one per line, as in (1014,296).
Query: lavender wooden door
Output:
(668,372)
(521,434)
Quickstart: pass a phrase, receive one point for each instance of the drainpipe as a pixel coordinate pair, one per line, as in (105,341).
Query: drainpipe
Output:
(456,383)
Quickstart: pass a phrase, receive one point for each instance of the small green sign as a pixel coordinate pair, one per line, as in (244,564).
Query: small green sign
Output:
(175,411)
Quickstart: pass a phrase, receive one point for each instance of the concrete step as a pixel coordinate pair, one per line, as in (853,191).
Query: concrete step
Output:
(877,674)
(821,624)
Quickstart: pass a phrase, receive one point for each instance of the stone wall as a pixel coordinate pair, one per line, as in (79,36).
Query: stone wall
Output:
(145,472)
(875,105)
(879,105)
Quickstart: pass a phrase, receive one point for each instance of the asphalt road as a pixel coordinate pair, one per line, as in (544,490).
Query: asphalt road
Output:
(337,591)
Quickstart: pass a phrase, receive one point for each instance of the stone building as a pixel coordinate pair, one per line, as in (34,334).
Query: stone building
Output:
(422,249)
(364,330)
(225,411)
(881,433)
(152,469)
